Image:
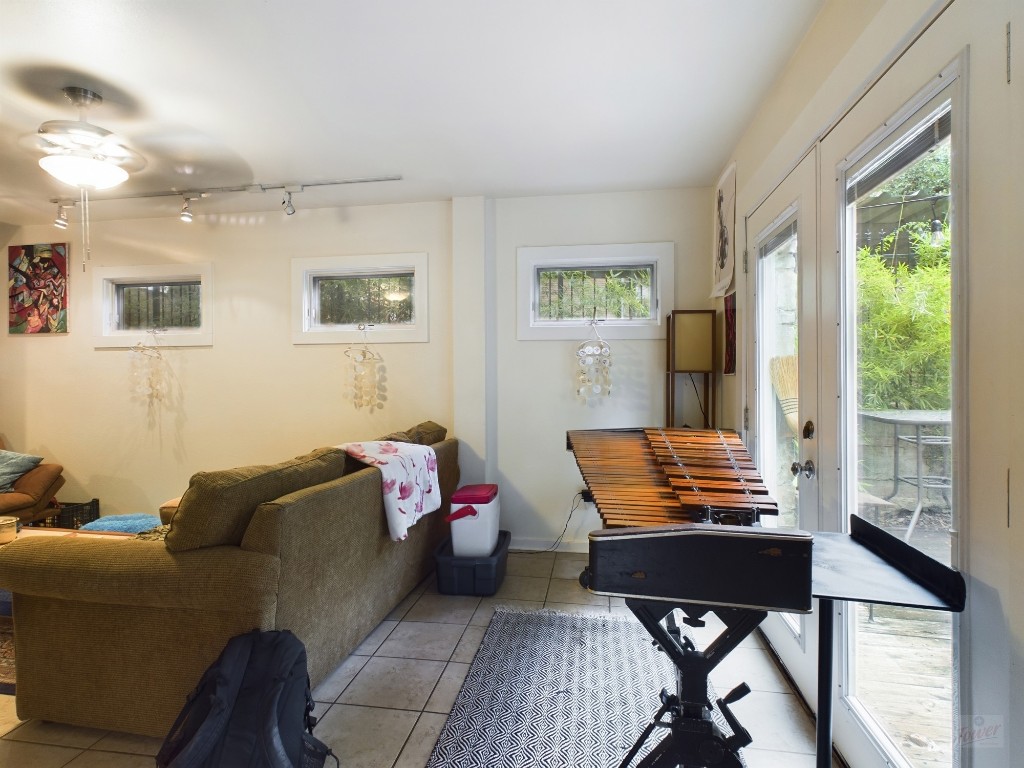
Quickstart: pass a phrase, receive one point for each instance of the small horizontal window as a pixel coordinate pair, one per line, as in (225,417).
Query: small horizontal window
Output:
(337,300)
(625,287)
(175,302)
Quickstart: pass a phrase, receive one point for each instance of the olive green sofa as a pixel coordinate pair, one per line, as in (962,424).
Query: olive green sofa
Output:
(114,633)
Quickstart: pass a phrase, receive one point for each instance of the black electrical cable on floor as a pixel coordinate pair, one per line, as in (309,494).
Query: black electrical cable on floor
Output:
(702,411)
(576,501)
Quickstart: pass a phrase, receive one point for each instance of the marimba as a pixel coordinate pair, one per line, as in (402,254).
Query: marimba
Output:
(658,490)
(659,476)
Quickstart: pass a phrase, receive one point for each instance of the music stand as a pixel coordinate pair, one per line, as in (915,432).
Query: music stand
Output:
(868,565)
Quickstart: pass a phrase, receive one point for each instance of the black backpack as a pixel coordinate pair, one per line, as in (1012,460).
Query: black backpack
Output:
(251,709)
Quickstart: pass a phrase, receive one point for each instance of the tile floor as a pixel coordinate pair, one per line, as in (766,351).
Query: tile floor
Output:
(386,703)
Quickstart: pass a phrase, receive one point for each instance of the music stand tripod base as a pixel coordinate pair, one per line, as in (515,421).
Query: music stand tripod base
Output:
(694,739)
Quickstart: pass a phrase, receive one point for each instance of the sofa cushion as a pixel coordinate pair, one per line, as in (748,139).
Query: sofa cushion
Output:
(427,433)
(14,465)
(396,437)
(217,506)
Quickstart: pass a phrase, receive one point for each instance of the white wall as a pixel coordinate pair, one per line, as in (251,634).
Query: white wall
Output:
(253,397)
(536,402)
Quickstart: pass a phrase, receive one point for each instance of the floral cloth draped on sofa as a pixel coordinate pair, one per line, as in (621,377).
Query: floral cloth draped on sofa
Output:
(409,486)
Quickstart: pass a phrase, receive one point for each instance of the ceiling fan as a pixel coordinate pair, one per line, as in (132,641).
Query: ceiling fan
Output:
(81,154)
(89,157)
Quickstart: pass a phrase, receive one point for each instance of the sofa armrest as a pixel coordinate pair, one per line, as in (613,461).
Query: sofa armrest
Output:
(167,510)
(37,480)
(13,502)
(135,572)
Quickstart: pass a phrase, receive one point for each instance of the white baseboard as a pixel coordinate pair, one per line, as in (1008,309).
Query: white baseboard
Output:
(536,545)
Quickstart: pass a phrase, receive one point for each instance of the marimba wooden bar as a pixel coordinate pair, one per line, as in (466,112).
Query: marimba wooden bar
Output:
(665,476)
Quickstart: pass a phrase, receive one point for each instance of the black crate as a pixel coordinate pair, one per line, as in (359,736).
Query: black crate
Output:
(70,514)
(479,576)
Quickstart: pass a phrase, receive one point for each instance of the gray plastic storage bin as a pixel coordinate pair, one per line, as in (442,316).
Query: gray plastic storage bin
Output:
(478,576)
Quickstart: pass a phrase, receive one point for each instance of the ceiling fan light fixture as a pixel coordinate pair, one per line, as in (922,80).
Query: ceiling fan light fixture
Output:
(83,170)
(81,154)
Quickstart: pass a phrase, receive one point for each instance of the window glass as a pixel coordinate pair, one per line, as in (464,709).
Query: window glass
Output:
(369,299)
(158,305)
(621,292)
(900,260)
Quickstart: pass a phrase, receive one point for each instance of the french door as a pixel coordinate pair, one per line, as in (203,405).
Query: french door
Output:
(857,276)
(784,389)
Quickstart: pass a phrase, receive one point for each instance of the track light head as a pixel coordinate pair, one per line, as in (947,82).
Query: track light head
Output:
(61,222)
(186,212)
(289,209)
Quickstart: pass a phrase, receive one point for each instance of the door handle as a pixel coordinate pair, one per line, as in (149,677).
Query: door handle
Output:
(807,468)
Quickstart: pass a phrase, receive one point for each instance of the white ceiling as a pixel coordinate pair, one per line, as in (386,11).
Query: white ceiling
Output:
(460,97)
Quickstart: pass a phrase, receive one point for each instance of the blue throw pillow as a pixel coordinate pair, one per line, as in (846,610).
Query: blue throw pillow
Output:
(14,465)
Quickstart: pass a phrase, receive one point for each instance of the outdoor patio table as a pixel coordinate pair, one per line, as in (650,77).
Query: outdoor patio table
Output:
(919,420)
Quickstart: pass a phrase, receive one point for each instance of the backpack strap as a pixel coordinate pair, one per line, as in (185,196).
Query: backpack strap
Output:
(273,746)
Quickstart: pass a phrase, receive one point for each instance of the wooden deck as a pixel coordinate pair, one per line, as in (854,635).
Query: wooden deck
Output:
(904,675)
(905,665)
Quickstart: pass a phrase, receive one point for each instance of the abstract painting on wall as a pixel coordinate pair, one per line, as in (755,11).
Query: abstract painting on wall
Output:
(37,288)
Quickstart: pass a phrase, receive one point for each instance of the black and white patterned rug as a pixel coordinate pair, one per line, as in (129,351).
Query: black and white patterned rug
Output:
(555,690)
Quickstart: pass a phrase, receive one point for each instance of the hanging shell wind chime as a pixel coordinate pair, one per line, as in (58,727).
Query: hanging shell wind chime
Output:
(367,376)
(594,367)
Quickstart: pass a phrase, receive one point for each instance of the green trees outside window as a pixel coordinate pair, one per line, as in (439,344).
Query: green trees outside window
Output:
(372,299)
(904,293)
(608,293)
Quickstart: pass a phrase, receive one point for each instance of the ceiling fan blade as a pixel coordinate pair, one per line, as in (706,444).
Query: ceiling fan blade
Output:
(56,137)
(74,134)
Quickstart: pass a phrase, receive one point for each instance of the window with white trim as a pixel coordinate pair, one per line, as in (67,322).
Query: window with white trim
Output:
(172,301)
(626,288)
(349,299)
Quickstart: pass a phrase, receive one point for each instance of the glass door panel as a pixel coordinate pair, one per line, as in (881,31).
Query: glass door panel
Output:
(899,264)
(784,394)
(778,368)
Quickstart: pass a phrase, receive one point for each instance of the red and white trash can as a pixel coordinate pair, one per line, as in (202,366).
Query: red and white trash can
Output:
(474,520)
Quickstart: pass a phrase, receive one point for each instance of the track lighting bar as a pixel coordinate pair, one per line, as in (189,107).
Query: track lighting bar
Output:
(195,194)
